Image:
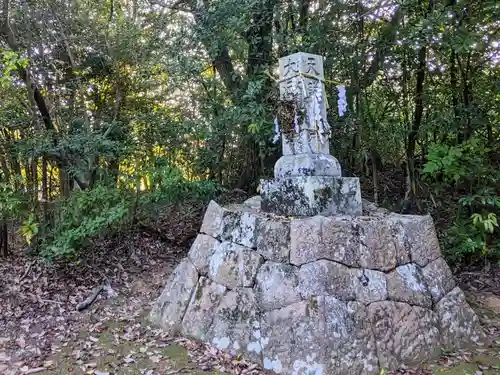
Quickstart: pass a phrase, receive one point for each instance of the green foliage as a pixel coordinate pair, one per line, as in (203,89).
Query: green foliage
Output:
(475,228)
(84,215)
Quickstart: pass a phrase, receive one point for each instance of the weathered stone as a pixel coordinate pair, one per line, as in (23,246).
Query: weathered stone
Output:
(236,324)
(235,225)
(213,221)
(378,248)
(273,239)
(339,241)
(305,142)
(369,286)
(459,325)
(326,278)
(306,244)
(350,343)
(276,285)
(202,309)
(438,278)
(234,265)
(405,284)
(293,339)
(404,334)
(420,235)
(254,203)
(173,302)
(201,251)
(311,195)
(307,165)
(371,209)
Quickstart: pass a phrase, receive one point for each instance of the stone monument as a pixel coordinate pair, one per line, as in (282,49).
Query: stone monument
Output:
(308,180)
(308,279)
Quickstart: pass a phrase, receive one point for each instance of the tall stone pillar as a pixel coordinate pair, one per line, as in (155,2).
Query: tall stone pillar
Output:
(307,178)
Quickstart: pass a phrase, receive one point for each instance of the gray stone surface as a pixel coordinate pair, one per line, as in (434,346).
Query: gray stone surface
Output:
(293,339)
(236,322)
(405,284)
(318,295)
(311,195)
(459,325)
(307,165)
(304,143)
(369,286)
(173,302)
(202,308)
(349,338)
(234,265)
(276,285)
(273,239)
(438,278)
(420,235)
(230,224)
(201,251)
(326,278)
(379,246)
(403,333)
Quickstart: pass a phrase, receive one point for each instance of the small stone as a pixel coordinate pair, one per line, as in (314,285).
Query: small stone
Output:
(405,284)
(276,285)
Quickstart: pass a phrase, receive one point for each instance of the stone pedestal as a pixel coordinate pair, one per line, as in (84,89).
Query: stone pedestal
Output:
(311,195)
(329,295)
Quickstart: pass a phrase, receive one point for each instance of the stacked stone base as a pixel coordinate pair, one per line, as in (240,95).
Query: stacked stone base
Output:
(311,195)
(318,295)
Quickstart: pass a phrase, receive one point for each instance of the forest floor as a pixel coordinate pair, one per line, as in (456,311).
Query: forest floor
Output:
(42,332)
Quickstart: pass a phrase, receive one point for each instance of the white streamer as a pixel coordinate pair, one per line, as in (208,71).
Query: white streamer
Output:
(342,102)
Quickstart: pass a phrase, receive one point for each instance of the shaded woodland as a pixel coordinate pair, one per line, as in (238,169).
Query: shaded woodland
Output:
(114,108)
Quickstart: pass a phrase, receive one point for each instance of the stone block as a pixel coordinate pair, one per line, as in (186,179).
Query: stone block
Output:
(276,285)
(369,286)
(201,251)
(459,325)
(293,339)
(419,234)
(405,284)
(326,278)
(202,308)
(379,246)
(404,334)
(273,239)
(350,342)
(236,323)
(311,195)
(234,265)
(307,165)
(306,240)
(438,278)
(230,225)
(170,308)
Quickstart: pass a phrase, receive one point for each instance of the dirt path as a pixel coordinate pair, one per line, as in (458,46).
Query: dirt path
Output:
(41,331)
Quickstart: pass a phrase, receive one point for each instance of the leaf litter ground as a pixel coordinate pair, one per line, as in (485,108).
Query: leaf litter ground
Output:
(42,333)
